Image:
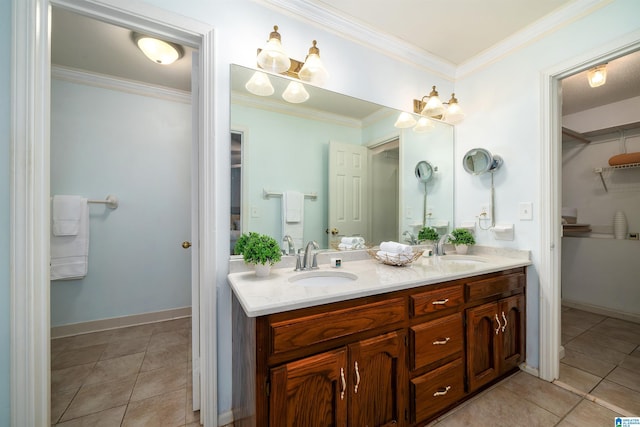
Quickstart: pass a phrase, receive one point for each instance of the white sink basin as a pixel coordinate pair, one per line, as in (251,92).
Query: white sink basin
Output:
(323,278)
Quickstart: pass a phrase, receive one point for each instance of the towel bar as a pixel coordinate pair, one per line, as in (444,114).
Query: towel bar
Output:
(269,194)
(111,201)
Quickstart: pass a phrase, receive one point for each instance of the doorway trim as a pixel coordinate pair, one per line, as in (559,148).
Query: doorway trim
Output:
(30,193)
(551,192)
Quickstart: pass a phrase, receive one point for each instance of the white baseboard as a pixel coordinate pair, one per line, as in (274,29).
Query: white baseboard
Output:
(225,418)
(118,322)
(631,317)
(529,369)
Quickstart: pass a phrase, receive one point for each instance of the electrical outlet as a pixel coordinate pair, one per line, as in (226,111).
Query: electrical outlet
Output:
(526,211)
(255,212)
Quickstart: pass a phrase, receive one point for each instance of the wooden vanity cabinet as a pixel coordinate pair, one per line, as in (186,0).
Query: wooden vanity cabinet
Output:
(396,359)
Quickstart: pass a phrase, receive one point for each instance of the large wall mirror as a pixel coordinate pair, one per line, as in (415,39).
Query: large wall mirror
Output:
(355,170)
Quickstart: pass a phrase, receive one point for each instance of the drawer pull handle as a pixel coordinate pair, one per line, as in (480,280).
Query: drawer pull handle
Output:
(498,321)
(443,392)
(355,389)
(505,321)
(343,387)
(440,302)
(443,342)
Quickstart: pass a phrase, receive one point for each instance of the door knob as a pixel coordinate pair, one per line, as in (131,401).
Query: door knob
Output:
(186,244)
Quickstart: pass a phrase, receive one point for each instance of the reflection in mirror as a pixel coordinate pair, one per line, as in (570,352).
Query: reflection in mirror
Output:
(347,154)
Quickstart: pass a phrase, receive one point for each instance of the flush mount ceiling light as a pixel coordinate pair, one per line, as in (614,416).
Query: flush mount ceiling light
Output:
(597,76)
(158,51)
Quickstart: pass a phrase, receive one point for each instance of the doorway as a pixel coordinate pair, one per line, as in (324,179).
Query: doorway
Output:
(385,200)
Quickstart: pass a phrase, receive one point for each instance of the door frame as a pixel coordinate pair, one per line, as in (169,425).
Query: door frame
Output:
(30,193)
(551,193)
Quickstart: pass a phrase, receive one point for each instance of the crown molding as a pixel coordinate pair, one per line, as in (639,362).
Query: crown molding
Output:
(108,82)
(371,38)
(530,34)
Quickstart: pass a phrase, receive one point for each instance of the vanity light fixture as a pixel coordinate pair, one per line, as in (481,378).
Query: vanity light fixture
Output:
(272,56)
(259,84)
(597,76)
(158,51)
(431,106)
(405,120)
(424,125)
(295,93)
(313,70)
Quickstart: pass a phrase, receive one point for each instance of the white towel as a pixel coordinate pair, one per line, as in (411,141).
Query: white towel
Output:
(293,217)
(355,240)
(66,211)
(396,248)
(70,254)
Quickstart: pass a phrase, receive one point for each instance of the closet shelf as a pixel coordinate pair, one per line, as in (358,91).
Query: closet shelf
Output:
(612,168)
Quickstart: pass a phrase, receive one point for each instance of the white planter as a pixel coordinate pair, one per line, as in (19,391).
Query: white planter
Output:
(262,270)
(461,249)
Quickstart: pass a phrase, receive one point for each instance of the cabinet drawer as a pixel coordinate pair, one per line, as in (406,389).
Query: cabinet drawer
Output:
(437,389)
(494,286)
(433,301)
(307,330)
(435,340)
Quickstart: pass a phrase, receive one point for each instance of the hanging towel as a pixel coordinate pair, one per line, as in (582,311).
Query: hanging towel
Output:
(293,217)
(66,211)
(70,254)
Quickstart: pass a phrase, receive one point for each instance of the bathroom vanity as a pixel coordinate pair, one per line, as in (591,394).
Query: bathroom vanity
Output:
(385,346)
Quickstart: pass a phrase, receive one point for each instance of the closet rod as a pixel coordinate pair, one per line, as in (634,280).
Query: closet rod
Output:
(269,194)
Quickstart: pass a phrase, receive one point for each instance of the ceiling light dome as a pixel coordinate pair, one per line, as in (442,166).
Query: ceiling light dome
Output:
(157,50)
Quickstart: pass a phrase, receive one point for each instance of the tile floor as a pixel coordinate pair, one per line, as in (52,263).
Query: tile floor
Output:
(135,376)
(141,376)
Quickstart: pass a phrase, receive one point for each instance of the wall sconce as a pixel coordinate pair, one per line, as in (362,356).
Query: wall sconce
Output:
(313,70)
(156,50)
(433,107)
(597,76)
(272,56)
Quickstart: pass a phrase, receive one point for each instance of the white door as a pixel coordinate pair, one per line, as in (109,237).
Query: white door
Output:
(347,191)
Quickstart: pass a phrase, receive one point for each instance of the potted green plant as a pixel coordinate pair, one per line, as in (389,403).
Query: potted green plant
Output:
(428,234)
(238,249)
(262,251)
(462,239)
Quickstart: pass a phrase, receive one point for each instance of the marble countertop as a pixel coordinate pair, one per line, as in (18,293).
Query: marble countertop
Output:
(260,296)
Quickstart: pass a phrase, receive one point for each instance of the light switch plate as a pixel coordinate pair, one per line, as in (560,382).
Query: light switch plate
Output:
(526,211)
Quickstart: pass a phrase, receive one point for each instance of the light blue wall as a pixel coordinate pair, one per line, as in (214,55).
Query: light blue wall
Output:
(5,95)
(138,148)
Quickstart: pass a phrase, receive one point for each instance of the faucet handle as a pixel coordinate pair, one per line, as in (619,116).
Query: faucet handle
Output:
(299,256)
(314,264)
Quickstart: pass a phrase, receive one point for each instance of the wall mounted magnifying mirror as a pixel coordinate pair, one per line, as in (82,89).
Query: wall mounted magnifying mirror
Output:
(478,161)
(424,172)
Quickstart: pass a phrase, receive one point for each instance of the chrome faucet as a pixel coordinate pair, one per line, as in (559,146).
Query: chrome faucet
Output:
(439,247)
(310,257)
(291,248)
(410,238)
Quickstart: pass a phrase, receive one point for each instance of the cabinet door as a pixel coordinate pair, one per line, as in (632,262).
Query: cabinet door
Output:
(482,351)
(512,316)
(378,381)
(310,392)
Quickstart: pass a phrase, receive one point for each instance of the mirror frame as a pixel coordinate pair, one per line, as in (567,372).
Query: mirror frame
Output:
(493,162)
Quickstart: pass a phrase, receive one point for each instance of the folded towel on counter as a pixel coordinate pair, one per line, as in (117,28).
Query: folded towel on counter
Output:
(70,254)
(349,246)
(396,248)
(66,212)
(625,159)
(352,240)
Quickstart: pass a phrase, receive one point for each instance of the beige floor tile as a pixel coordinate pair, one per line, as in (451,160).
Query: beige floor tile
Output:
(80,356)
(542,393)
(169,341)
(163,358)
(578,379)
(70,378)
(499,407)
(589,414)
(588,346)
(609,342)
(159,381)
(631,362)
(580,319)
(625,377)
(125,347)
(583,362)
(163,410)
(98,397)
(59,403)
(636,352)
(618,395)
(115,369)
(619,329)
(131,332)
(107,418)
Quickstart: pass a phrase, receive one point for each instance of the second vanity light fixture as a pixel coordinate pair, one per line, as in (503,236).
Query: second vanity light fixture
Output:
(431,107)
(272,57)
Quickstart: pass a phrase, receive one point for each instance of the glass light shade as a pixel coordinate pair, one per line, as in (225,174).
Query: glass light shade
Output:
(158,51)
(424,125)
(405,120)
(272,57)
(313,71)
(295,93)
(259,84)
(597,76)
(454,113)
(433,108)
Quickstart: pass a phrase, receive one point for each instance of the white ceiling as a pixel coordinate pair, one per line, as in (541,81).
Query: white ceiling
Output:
(453,31)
